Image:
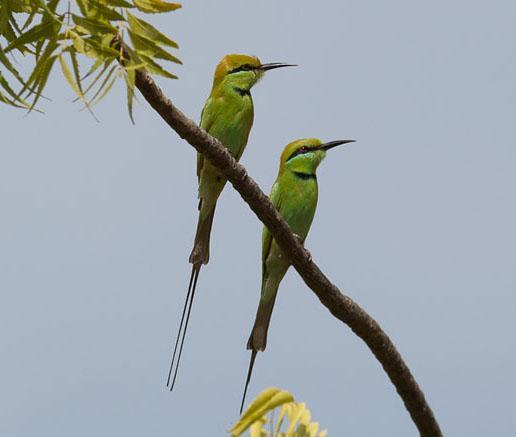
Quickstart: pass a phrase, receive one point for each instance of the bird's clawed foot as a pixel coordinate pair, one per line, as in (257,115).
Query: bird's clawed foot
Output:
(302,243)
(299,239)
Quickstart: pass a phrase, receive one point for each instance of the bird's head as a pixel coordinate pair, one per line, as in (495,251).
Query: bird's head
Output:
(242,71)
(304,156)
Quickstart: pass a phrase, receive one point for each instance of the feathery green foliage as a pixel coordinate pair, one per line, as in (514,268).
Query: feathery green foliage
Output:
(294,418)
(80,34)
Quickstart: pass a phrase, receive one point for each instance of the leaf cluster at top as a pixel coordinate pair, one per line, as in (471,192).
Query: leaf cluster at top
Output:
(60,32)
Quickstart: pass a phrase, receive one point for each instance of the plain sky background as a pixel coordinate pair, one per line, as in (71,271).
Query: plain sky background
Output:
(416,222)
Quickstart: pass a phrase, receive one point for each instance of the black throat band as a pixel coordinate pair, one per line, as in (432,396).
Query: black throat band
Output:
(242,91)
(304,176)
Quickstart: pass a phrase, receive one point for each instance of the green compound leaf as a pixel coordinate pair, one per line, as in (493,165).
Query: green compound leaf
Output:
(49,30)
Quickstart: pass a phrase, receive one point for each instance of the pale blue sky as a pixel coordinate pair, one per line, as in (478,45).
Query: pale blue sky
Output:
(415,222)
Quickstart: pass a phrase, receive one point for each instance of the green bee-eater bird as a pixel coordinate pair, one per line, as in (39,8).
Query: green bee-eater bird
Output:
(228,116)
(294,195)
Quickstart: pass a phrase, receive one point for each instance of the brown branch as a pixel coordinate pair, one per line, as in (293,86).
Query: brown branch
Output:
(341,306)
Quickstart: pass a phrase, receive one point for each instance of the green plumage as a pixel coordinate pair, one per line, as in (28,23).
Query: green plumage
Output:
(294,195)
(228,116)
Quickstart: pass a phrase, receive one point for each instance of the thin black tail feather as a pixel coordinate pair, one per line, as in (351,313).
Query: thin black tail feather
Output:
(248,379)
(196,268)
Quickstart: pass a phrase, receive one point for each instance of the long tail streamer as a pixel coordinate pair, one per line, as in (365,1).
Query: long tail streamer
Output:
(183,325)
(249,372)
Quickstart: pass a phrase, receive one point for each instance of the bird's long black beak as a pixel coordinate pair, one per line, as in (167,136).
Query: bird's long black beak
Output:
(332,144)
(273,65)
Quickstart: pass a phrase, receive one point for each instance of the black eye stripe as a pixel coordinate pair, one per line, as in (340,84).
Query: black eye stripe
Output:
(300,151)
(245,67)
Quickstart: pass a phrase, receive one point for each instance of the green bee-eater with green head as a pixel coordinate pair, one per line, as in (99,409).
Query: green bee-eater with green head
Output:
(294,195)
(228,116)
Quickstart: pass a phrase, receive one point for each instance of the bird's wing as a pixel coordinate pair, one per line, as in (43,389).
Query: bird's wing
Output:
(207,119)
(275,197)
(247,125)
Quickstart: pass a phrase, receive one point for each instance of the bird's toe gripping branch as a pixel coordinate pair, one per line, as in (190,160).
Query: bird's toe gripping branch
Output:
(302,243)
(299,239)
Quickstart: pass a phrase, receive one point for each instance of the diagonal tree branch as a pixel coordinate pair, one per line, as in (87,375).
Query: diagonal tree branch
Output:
(341,306)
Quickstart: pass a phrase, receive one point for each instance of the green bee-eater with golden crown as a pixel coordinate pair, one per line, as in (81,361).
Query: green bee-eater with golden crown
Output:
(294,195)
(228,116)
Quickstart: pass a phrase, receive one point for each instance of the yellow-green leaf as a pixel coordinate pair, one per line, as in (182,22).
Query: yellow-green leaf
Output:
(150,48)
(7,64)
(36,33)
(147,30)
(120,3)
(29,20)
(94,67)
(98,10)
(298,416)
(84,7)
(5,28)
(68,76)
(15,98)
(265,402)
(8,101)
(104,87)
(20,6)
(42,79)
(98,76)
(257,428)
(49,17)
(92,48)
(94,27)
(130,78)
(50,9)
(155,6)
(153,67)
(41,65)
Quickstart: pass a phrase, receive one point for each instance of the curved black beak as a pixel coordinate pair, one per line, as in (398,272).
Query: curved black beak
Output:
(332,144)
(273,65)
